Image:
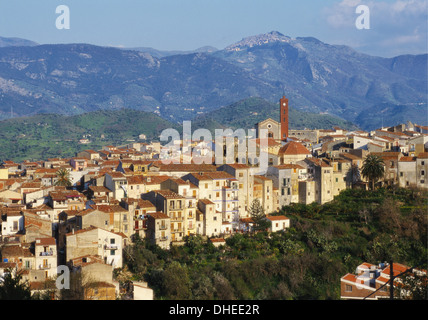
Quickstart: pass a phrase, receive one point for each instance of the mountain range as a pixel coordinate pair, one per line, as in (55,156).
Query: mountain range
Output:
(315,76)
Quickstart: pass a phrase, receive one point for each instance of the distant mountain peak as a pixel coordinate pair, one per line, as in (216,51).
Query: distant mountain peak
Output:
(15,42)
(257,40)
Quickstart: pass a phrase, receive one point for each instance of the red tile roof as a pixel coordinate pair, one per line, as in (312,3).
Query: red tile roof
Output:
(293,148)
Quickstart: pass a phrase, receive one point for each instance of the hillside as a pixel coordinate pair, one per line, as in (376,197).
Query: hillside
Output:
(317,77)
(50,136)
(247,112)
(323,243)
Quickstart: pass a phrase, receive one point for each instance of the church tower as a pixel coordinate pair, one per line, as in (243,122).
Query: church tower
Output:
(283,117)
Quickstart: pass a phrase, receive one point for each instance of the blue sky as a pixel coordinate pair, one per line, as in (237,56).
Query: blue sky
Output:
(396,26)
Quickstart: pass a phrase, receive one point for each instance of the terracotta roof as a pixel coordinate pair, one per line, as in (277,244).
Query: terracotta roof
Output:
(45,241)
(116,175)
(168,194)
(423,155)
(158,215)
(274,218)
(407,159)
(293,148)
(246,220)
(318,162)
(217,175)
(288,166)
(187,167)
(206,201)
(99,189)
(110,208)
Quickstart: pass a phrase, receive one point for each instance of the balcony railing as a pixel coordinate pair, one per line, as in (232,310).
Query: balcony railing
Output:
(111,247)
(163,227)
(44,266)
(50,253)
(163,238)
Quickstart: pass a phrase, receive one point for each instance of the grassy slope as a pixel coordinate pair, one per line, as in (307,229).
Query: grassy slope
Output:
(44,136)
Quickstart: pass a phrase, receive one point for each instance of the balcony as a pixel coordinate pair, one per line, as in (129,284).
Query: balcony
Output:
(111,247)
(48,253)
(163,227)
(163,238)
(44,266)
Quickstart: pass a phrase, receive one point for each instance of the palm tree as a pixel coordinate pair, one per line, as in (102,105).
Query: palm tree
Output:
(373,168)
(63,178)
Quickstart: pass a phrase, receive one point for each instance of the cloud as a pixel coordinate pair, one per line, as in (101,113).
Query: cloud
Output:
(393,25)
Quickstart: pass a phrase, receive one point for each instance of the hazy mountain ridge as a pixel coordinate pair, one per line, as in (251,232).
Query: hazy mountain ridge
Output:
(315,76)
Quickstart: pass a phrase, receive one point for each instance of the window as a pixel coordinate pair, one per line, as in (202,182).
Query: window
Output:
(112,252)
(241,174)
(206,185)
(348,288)
(401,174)
(422,172)
(112,241)
(217,183)
(423,163)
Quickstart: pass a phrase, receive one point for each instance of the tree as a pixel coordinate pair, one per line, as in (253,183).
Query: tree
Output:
(373,169)
(12,287)
(63,178)
(258,216)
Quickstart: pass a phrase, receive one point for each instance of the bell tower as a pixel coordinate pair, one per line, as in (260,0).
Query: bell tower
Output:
(283,117)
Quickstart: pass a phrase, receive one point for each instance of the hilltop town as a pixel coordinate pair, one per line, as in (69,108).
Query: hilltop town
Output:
(81,212)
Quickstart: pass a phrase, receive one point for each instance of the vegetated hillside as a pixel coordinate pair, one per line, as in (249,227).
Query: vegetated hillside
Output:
(247,112)
(53,135)
(306,262)
(315,76)
(48,135)
(389,115)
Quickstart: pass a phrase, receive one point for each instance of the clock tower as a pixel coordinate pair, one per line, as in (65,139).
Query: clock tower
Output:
(283,117)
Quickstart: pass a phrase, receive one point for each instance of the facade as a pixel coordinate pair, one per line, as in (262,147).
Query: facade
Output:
(46,256)
(117,183)
(95,241)
(278,223)
(159,229)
